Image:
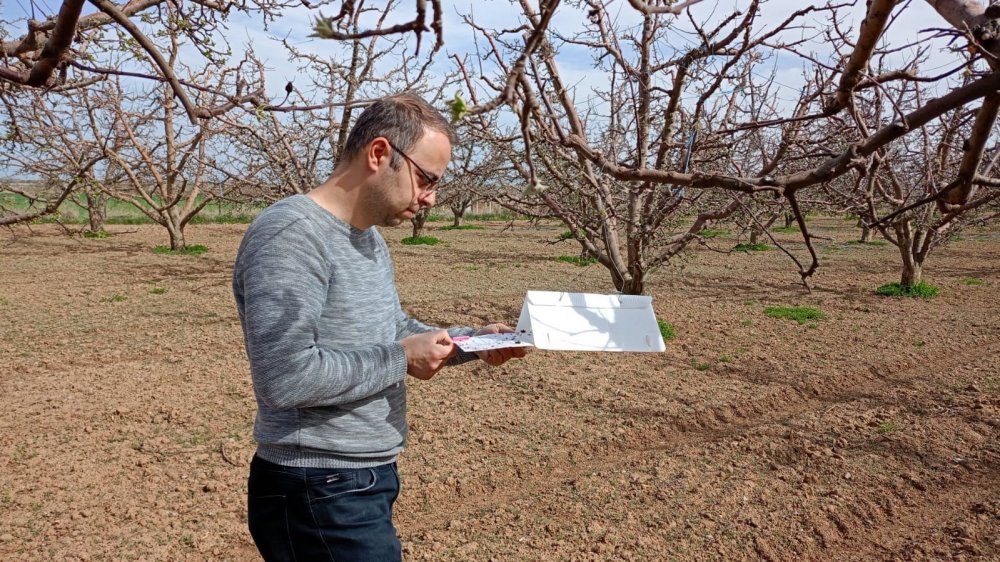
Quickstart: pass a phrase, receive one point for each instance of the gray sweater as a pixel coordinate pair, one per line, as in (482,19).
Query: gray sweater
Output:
(321,324)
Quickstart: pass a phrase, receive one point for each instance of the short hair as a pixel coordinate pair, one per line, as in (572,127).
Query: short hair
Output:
(401,118)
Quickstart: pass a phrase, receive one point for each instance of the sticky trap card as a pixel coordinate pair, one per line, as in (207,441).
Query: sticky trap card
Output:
(578,322)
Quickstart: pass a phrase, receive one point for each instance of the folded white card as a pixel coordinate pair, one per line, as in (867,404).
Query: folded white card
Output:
(579,322)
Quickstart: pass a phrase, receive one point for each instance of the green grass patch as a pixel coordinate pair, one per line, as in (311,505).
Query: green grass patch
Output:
(922,290)
(98,234)
(702,365)
(490,216)
(713,232)
(786,229)
(117,297)
(800,314)
(421,241)
(129,220)
(666,330)
(887,427)
(869,243)
(223,219)
(992,385)
(192,250)
(462,227)
(751,247)
(577,260)
(158,290)
(971,281)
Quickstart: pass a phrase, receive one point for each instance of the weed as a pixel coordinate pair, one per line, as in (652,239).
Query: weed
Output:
(922,290)
(887,427)
(462,227)
(421,240)
(971,281)
(869,243)
(666,330)
(812,326)
(702,365)
(188,540)
(490,217)
(725,359)
(4,301)
(467,267)
(749,302)
(920,343)
(99,234)
(117,297)
(785,229)
(798,313)
(750,248)
(747,322)
(192,250)
(577,260)
(227,218)
(713,232)
(158,290)
(992,385)
(129,220)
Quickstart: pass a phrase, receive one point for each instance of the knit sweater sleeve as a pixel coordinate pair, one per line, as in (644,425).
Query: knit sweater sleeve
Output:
(281,282)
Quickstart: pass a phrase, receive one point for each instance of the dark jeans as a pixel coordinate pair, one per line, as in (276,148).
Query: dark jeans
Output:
(323,514)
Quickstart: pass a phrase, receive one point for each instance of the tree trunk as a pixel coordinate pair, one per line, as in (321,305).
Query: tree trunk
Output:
(912,269)
(912,273)
(789,220)
(867,234)
(177,242)
(458,208)
(418,221)
(755,234)
(97,211)
(172,222)
(631,285)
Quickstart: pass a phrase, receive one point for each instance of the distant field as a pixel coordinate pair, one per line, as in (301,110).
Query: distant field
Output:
(223,212)
(124,212)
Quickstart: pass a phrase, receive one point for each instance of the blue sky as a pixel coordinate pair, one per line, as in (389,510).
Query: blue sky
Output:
(575,63)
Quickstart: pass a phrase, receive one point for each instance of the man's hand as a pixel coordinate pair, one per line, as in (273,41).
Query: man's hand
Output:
(496,357)
(426,353)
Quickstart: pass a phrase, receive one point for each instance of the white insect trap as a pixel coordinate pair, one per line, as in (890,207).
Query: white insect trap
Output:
(579,322)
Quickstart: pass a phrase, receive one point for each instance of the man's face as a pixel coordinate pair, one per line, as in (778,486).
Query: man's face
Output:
(405,191)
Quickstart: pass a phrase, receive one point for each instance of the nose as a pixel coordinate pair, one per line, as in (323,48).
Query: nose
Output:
(427,198)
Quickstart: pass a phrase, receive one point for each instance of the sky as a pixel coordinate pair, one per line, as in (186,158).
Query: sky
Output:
(576,63)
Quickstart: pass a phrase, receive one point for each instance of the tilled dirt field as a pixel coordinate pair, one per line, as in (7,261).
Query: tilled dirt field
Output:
(871,435)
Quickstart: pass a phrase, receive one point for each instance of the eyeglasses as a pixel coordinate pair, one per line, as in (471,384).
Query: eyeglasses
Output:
(430,180)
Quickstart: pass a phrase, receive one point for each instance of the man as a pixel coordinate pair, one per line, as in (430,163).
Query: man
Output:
(330,346)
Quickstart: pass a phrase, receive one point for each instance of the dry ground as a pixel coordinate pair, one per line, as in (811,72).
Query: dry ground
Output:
(125,432)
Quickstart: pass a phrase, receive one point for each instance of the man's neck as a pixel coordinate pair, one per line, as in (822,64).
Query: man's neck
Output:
(341,196)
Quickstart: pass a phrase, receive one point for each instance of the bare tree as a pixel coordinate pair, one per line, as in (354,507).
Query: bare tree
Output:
(618,168)
(54,147)
(622,158)
(895,193)
(40,57)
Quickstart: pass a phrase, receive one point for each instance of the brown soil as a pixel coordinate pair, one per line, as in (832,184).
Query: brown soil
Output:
(873,434)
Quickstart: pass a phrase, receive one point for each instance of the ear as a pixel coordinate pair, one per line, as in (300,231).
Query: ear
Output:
(378,151)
